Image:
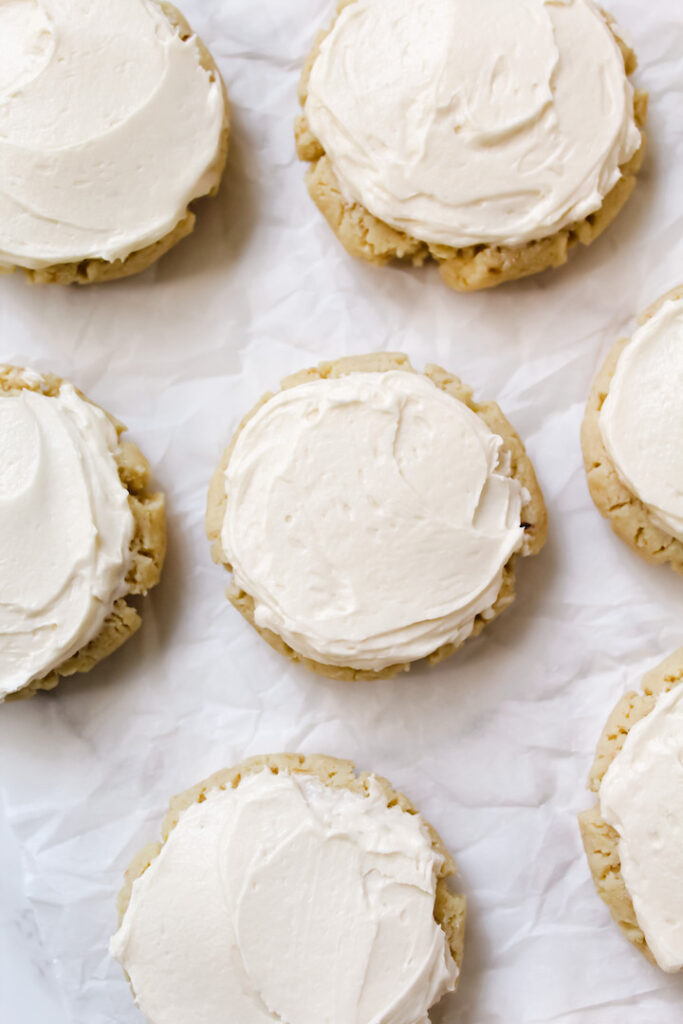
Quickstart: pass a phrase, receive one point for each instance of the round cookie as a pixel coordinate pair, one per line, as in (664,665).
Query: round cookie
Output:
(449,908)
(533,512)
(601,840)
(147,545)
(630,518)
(465,267)
(87,267)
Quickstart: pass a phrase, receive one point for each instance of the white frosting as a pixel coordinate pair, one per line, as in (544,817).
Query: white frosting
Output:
(109,127)
(65,531)
(641,796)
(288,900)
(641,420)
(473,121)
(370,517)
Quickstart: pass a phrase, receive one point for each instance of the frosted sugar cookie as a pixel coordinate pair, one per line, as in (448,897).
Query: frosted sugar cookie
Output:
(113,120)
(634,836)
(490,137)
(371,515)
(290,888)
(79,533)
(632,435)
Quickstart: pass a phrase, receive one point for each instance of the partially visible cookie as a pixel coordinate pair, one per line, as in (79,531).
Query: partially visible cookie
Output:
(632,435)
(116,119)
(637,857)
(79,533)
(427,132)
(291,887)
(372,516)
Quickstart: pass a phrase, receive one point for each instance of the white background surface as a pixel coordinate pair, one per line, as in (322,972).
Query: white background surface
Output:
(495,744)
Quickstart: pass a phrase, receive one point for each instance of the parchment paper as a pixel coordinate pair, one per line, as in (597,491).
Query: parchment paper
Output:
(495,744)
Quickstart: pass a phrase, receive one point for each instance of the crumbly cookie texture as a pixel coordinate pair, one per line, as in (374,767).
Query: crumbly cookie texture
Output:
(97,271)
(476,266)
(628,516)
(600,840)
(148,546)
(533,513)
(449,907)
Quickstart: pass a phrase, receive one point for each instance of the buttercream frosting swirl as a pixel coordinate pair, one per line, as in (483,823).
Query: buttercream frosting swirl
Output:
(109,127)
(465,122)
(65,530)
(641,797)
(641,419)
(284,899)
(369,516)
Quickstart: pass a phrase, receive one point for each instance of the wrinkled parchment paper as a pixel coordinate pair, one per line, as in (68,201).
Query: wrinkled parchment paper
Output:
(495,744)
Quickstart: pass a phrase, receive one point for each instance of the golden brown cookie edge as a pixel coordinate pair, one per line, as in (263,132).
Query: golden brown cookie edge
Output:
(600,840)
(449,907)
(148,546)
(534,511)
(464,269)
(99,271)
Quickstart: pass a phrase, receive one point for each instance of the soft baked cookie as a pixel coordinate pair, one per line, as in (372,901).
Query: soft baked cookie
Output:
(372,516)
(637,858)
(291,888)
(113,120)
(632,435)
(79,532)
(511,166)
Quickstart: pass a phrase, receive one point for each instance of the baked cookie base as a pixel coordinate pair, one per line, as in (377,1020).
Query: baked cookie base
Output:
(628,516)
(449,907)
(97,271)
(148,546)
(533,513)
(474,267)
(600,840)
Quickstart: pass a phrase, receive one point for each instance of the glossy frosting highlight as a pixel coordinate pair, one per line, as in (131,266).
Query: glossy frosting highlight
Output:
(65,531)
(370,517)
(288,900)
(641,420)
(463,123)
(109,127)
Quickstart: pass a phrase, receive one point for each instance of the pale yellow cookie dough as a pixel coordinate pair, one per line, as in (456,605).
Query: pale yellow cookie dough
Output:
(600,840)
(628,516)
(474,267)
(533,513)
(449,907)
(148,546)
(96,271)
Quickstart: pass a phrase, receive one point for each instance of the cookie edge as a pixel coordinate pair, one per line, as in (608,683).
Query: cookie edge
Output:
(470,268)
(600,840)
(534,514)
(98,271)
(628,517)
(148,546)
(450,908)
